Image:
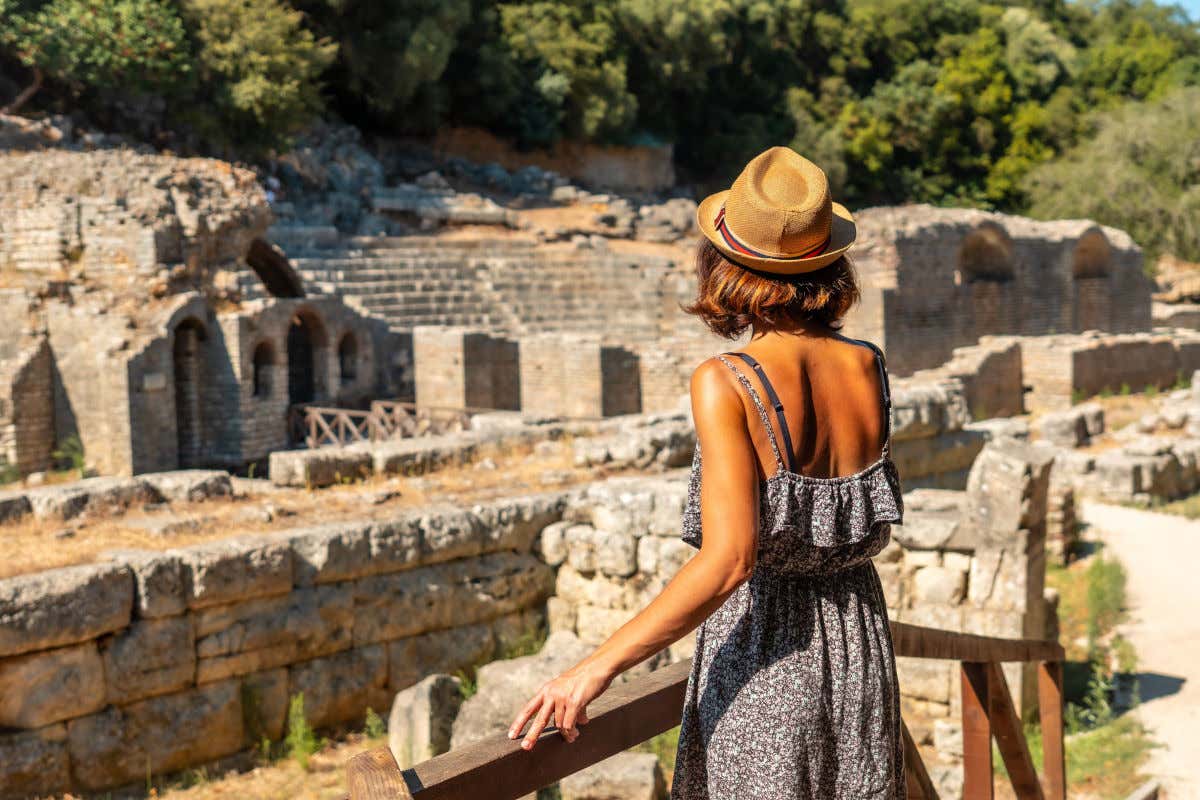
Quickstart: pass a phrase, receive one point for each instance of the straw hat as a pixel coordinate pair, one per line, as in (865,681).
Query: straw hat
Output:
(778,216)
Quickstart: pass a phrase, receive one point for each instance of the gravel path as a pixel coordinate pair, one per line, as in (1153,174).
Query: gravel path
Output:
(1161,554)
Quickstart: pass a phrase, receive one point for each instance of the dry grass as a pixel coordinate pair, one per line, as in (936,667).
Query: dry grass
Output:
(30,544)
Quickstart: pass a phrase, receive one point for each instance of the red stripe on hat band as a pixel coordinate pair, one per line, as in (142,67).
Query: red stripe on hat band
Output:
(733,242)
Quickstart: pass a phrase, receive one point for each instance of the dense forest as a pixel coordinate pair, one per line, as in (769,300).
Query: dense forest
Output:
(1049,107)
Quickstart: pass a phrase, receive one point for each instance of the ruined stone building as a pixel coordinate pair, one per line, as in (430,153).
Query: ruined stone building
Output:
(125,325)
(938,278)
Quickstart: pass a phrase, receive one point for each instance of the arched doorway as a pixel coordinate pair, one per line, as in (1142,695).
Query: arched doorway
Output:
(305,340)
(348,359)
(187,351)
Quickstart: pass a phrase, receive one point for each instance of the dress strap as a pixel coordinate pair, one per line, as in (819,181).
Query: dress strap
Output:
(762,410)
(887,393)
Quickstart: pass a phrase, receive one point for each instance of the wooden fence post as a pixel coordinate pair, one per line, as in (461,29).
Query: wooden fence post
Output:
(976,732)
(1050,710)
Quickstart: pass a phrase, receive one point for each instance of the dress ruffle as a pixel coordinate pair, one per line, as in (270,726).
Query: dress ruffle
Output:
(815,526)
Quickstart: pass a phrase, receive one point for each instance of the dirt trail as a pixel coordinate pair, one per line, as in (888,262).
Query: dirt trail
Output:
(1161,553)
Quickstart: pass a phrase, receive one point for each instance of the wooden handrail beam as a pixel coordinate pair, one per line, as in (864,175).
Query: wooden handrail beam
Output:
(918,642)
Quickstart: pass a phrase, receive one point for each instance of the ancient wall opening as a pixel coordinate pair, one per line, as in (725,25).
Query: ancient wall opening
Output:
(348,359)
(273,269)
(986,256)
(306,344)
(187,358)
(1091,264)
(264,369)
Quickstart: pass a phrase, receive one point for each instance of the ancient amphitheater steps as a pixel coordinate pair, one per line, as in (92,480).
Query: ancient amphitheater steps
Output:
(512,286)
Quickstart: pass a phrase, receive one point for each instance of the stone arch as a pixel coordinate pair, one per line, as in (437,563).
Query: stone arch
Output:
(1092,257)
(986,254)
(264,369)
(348,358)
(274,270)
(188,361)
(307,343)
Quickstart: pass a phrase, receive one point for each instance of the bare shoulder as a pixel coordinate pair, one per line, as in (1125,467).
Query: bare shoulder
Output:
(712,390)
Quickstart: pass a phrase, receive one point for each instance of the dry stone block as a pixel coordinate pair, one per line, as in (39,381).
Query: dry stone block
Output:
(150,657)
(414,657)
(14,504)
(396,544)
(190,485)
(62,606)
(505,686)
(229,570)
(269,632)
(926,679)
(672,555)
(625,776)
(581,547)
(422,718)
(329,553)
(159,581)
(342,687)
(596,590)
(560,615)
(890,578)
(37,689)
(446,595)
(324,466)
(119,745)
(616,553)
(34,763)
(550,544)
(939,585)
(594,625)
(513,523)
(67,501)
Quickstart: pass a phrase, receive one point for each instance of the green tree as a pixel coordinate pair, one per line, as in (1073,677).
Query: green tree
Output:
(1140,172)
(573,50)
(259,69)
(392,56)
(136,45)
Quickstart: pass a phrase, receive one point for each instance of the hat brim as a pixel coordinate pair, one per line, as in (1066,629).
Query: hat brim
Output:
(841,236)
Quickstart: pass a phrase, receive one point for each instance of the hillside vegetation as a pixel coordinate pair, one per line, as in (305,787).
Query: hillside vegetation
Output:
(1015,106)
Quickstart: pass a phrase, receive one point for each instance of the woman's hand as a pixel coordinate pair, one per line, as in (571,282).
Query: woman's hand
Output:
(565,700)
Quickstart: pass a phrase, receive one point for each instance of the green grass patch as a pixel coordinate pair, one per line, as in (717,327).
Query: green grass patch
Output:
(302,741)
(663,747)
(1188,507)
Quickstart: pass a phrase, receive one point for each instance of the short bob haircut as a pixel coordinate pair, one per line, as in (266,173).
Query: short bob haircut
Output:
(731,298)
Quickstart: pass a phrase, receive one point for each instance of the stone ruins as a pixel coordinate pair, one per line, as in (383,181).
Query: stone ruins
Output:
(167,317)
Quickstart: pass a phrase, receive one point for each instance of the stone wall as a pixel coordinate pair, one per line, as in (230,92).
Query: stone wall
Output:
(938,278)
(157,661)
(1061,370)
(183,385)
(181,657)
(117,212)
(26,418)
(460,367)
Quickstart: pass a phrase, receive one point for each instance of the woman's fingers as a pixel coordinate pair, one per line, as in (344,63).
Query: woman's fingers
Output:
(528,711)
(570,713)
(560,718)
(539,724)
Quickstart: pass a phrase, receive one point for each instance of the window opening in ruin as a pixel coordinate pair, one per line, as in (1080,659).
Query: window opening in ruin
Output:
(348,359)
(305,336)
(264,361)
(272,268)
(986,255)
(1092,257)
(187,351)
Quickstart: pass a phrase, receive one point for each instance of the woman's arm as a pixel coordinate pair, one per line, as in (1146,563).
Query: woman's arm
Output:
(729,517)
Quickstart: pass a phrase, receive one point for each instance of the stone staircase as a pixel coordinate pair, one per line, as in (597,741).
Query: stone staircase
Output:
(510,286)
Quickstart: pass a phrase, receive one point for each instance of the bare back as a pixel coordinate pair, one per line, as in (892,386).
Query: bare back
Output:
(831,391)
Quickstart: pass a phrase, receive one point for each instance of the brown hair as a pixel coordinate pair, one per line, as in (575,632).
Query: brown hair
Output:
(731,298)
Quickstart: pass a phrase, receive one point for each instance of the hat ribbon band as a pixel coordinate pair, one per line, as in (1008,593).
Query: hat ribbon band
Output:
(731,240)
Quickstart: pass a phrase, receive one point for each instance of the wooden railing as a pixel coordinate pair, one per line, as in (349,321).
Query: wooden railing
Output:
(498,769)
(318,426)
